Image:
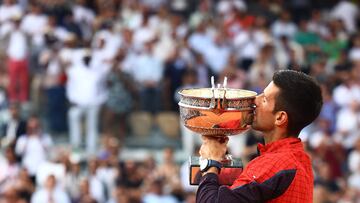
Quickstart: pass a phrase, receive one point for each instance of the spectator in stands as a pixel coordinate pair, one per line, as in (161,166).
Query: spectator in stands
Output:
(169,172)
(14,128)
(85,193)
(85,94)
(53,84)
(354,167)
(73,177)
(284,26)
(326,189)
(84,17)
(354,52)
(156,194)
(149,74)
(96,187)
(173,74)
(10,170)
(17,53)
(34,24)
(52,192)
(8,10)
(34,146)
(263,67)
(122,90)
(203,71)
(119,195)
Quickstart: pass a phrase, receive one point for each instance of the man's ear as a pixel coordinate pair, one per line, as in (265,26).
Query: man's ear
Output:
(281,118)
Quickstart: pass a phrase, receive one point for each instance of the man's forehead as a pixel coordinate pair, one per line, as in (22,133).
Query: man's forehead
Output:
(271,89)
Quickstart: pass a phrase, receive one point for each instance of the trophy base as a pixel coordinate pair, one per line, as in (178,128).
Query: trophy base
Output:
(231,169)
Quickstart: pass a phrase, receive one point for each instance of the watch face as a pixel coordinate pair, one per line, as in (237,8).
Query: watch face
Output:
(203,164)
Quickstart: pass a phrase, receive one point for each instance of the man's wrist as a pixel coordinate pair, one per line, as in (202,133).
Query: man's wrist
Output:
(212,169)
(218,159)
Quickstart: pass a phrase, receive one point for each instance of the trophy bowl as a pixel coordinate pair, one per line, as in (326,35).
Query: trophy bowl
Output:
(216,112)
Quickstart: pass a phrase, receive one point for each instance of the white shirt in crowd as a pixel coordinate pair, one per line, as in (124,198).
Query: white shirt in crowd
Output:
(354,161)
(34,25)
(84,17)
(131,18)
(34,150)
(354,54)
(155,198)
(280,28)
(217,56)
(200,42)
(3,164)
(107,175)
(147,68)
(58,195)
(354,181)
(347,12)
(282,54)
(8,174)
(18,48)
(9,11)
(83,85)
(83,14)
(97,189)
(142,35)
(343,95)
(164,48)
(347,126)
(11,130)
(113,42)
(248,44)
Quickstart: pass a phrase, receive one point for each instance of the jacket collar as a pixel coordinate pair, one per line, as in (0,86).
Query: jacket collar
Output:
(282,144)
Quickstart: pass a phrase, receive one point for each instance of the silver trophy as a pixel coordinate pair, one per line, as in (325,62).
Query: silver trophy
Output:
(216,112)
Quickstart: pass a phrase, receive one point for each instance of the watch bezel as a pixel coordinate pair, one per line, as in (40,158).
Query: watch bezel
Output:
(205,164)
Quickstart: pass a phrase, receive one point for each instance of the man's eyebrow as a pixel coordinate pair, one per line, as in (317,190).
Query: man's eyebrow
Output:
(264,94)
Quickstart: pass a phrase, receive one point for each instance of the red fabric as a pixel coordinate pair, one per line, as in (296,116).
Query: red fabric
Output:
(18,88)
(228,175)
(233,124)
(281,155)
(234,25)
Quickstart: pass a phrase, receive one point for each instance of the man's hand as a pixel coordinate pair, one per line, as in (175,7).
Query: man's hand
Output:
(213,148)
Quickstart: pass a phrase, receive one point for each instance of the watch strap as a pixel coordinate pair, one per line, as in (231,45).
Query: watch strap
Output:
(212,163)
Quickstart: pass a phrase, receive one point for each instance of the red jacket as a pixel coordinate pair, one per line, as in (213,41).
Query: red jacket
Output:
(282,173)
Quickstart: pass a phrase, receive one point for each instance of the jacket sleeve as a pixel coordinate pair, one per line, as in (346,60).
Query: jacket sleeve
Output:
(210,191)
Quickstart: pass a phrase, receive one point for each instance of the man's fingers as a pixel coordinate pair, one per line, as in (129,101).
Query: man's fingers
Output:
(201,150)
(221,140)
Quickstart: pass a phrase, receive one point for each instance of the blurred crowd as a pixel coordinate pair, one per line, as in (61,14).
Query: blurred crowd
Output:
(81,68)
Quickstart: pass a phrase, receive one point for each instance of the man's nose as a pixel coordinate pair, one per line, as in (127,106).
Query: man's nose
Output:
(257,98)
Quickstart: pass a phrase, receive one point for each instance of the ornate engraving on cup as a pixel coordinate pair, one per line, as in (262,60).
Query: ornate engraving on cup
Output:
(230,115)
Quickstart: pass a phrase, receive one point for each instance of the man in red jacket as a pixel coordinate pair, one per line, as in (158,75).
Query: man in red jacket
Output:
(282,172)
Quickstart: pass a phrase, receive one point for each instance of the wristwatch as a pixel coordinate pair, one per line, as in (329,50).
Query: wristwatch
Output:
(205,164)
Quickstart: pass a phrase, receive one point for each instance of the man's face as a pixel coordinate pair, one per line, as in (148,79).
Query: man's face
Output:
(264,117)
(14,111)
(50,182)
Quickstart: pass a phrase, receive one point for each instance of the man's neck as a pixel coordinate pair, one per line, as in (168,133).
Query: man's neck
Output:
(274,136)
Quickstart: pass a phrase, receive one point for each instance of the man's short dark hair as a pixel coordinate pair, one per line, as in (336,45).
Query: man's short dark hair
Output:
(300,97)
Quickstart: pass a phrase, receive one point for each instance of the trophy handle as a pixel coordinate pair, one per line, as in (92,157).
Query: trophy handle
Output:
(230,170)
(231,167)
